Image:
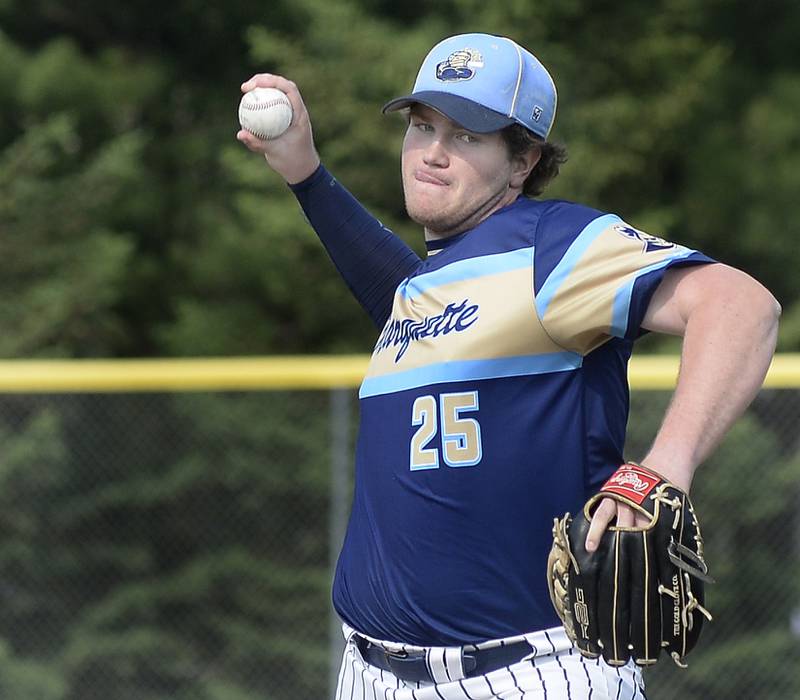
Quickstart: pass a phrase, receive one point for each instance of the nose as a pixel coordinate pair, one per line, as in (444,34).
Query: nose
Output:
(435,154)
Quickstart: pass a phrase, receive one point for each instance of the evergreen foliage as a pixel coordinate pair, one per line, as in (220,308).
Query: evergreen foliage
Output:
(153,559)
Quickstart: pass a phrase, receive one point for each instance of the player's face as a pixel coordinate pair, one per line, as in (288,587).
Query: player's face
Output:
(454,178)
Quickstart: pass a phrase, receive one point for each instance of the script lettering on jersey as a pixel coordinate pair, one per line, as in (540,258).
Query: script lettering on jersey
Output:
(454,318)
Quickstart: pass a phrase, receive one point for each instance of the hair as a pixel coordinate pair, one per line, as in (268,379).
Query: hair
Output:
(519,141)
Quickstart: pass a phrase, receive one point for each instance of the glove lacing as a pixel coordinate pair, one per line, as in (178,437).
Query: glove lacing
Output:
(687,618)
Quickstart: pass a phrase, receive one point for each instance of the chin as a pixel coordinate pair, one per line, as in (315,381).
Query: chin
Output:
(428,219)
(429,216)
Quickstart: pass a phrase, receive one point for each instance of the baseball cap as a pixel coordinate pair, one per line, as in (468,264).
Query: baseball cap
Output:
(484,83)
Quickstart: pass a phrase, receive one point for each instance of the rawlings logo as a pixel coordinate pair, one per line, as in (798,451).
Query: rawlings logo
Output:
(631,482)
(630,479)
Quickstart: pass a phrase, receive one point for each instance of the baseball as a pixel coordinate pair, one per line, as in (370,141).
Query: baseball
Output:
(265,112)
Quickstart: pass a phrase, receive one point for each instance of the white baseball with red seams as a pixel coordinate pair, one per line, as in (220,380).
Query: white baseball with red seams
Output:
(265,112)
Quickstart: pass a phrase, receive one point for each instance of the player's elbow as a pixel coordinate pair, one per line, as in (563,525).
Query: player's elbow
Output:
(764,304)
(771,314)
(761,307)
(726,295)
(773,309)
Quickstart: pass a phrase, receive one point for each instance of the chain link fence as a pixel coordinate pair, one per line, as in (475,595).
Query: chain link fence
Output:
(178,546)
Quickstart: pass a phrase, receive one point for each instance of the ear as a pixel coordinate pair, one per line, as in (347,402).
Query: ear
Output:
(522,165)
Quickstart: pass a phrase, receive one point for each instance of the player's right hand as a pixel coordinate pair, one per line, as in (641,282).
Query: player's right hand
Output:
(293,154)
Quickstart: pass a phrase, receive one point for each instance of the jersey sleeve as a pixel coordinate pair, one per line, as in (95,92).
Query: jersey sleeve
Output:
(596,283)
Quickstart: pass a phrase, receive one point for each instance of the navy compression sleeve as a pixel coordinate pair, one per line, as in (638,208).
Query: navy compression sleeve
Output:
(371,259)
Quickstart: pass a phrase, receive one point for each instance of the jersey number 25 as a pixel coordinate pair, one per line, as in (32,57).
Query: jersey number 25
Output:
(461,437)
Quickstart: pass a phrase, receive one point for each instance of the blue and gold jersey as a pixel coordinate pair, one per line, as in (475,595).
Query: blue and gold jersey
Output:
(496,399)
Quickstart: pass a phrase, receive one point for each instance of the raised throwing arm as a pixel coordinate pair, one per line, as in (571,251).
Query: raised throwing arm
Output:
(370,258)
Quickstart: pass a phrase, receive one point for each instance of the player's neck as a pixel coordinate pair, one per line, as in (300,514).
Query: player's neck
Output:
(476,218)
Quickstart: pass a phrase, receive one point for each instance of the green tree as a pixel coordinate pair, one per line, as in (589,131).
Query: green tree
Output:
(155,546)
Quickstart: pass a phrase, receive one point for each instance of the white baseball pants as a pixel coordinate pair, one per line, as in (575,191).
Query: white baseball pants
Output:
(554,670)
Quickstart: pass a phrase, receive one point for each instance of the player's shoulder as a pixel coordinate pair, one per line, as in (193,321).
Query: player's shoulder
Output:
(562,225)
(525,223)
(544,217)
(561,218)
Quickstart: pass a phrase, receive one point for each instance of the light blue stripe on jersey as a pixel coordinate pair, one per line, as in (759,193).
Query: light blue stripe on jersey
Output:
(622,300)
(470,268)
(574,253)
(466,370)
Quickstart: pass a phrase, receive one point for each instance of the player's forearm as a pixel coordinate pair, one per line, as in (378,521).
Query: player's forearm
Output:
(371,259)
(728,344)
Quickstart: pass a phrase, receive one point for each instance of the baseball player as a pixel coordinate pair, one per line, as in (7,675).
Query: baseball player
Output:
(496,396)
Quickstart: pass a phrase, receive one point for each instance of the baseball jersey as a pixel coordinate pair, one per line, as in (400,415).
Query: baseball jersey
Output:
(496,398)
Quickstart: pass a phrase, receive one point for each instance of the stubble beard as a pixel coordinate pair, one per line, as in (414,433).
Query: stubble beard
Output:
(436,222)
(443,223)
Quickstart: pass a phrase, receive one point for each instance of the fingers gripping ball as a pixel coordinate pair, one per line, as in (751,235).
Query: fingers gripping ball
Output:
(265,112)
(642,591)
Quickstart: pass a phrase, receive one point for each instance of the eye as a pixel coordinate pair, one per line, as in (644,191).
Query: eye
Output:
(422,126)
(467,137)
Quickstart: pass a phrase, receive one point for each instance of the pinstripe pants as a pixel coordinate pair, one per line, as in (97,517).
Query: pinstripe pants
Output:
(553,671)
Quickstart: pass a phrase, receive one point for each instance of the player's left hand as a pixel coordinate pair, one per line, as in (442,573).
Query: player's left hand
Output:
(610,509)
(652,575)
(606,512)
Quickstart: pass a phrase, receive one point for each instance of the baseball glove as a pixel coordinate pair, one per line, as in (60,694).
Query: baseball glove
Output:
(641,591)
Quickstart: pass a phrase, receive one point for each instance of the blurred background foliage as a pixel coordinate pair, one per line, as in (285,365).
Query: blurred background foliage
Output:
(149,547)
(134,224)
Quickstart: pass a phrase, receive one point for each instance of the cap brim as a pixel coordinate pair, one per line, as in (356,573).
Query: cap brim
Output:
(467,113)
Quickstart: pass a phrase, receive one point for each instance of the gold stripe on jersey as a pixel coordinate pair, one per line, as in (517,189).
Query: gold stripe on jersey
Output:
(477,318)
(589,300)
(480,325)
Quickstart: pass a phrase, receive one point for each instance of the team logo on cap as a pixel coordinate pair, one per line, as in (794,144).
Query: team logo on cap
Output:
(649,243)
(459,65)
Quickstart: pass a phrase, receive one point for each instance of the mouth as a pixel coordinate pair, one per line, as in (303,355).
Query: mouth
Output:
(426,177)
